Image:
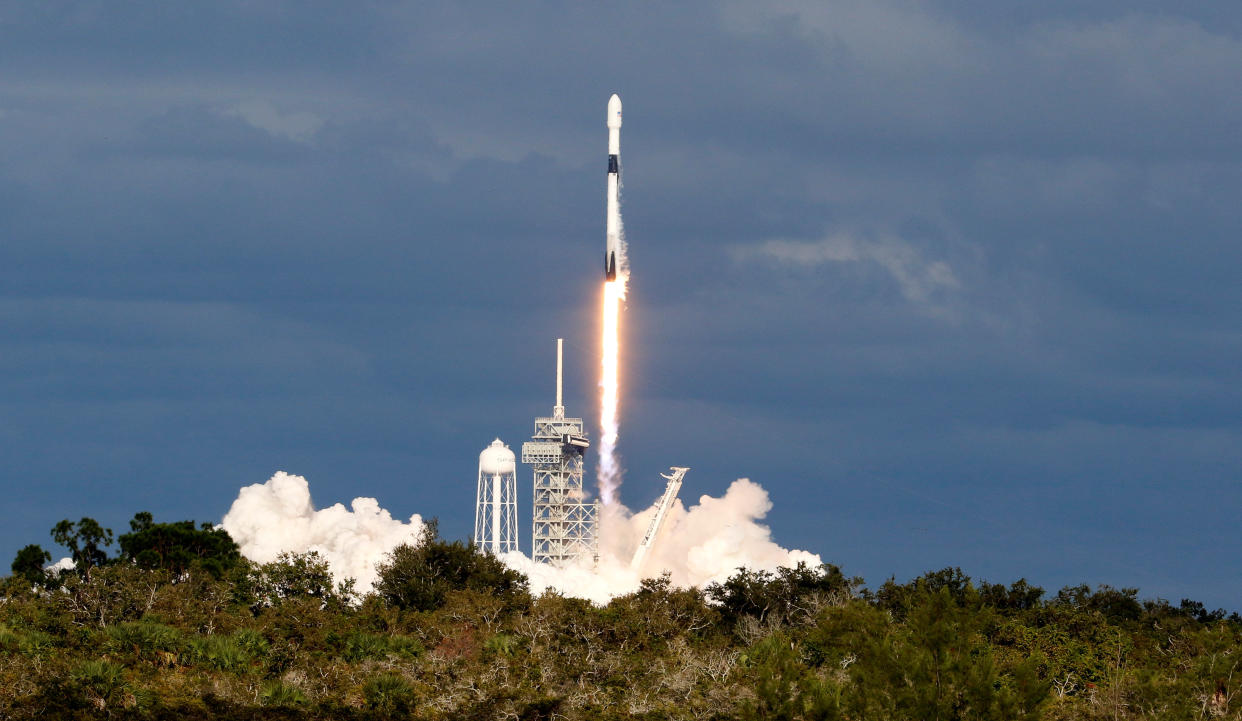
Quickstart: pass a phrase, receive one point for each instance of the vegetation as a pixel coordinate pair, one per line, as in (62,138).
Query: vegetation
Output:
(178,625)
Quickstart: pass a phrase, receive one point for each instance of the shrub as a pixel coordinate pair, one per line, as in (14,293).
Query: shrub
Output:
(405,646)
(222,653)
(502,644)
(280,694)
(389,693)
(419,577)
(103,679)
(10,642)
(148,640)
(252,642)
(36,643)
(361,646)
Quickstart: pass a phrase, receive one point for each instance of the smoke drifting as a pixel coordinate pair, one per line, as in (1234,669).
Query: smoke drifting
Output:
(706,542)
(277,516)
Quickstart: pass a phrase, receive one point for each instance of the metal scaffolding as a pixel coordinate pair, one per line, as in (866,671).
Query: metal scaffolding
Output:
(495,506)
(676,473)
(564,526)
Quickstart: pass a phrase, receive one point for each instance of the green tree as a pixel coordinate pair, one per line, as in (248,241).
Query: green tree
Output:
(899,598)
(785,689)
(178,546)
(937,666)
(419,577)
(1019,596)
(299,576)
(789,592)
(86,541)
(1117,605)
(29,564)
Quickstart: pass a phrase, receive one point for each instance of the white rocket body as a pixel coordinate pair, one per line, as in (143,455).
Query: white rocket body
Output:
(612,220)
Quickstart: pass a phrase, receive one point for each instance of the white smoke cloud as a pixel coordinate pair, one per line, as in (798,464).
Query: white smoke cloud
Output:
(278,516)
(64,564)
(707,542)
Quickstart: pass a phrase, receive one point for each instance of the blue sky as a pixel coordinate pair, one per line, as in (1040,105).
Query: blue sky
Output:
(955,281)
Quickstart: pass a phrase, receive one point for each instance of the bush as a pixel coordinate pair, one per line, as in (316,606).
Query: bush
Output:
(389,693)
(405,646)
(502,644)
(419,577)
(361,646)
(279,694)
(252,642)
(28,642)
(10,642)
(222,653)
(148,640)
(102,679)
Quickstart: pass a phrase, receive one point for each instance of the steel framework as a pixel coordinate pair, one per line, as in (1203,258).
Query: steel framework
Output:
(495,507)
(565,524)
(657,521)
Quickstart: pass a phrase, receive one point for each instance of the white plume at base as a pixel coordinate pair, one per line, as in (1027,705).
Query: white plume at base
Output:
(707,542)
(278,516)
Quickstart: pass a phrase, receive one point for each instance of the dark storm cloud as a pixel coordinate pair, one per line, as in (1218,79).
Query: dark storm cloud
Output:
(922,266)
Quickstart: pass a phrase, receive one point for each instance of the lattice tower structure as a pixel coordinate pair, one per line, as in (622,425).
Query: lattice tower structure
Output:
(495,507)
(564,522)
(674,477)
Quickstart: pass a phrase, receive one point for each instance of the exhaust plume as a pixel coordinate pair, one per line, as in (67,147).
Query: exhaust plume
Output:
(610,387)
(269,518)
(707,542)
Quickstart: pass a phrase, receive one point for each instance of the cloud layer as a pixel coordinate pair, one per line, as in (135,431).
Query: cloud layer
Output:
(931,272)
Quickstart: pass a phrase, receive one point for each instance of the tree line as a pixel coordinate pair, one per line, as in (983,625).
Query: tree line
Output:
(177,624)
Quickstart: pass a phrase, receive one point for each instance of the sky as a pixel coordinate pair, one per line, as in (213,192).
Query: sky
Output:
(955,281)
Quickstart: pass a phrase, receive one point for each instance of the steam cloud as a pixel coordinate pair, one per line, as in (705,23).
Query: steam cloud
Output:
(278,516)
(706,542)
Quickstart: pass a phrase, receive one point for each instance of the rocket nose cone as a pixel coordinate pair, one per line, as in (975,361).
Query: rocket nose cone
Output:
(614,111)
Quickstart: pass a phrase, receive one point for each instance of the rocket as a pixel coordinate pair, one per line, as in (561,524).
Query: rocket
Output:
(612,222)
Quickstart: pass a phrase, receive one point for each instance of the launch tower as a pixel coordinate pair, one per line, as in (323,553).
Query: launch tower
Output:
(565,524)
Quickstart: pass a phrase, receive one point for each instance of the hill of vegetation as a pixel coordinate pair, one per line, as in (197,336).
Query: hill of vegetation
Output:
(179,626)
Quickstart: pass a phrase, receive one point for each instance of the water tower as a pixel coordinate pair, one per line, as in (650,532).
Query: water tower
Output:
(495,508)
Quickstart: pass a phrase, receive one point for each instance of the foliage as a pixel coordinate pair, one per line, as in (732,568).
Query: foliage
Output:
(360,646)
(452,634)
(784,595)
(237,653)
(419,577)
(103,681)
(389,694)
(177,546)
(280,694)
(29,564)
(147,640)
(86,541)
(299,576)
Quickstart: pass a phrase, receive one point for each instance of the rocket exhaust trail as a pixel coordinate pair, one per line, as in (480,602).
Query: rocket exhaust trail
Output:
(616,273)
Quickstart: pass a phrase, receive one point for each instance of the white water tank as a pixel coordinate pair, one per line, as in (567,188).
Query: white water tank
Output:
(497,459)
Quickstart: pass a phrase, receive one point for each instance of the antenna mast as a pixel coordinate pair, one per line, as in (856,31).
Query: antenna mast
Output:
(558,411)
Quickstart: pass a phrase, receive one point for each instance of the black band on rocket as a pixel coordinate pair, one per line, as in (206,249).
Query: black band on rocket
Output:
(612,164)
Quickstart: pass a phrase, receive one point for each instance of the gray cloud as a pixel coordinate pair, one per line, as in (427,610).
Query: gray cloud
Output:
(882,251)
